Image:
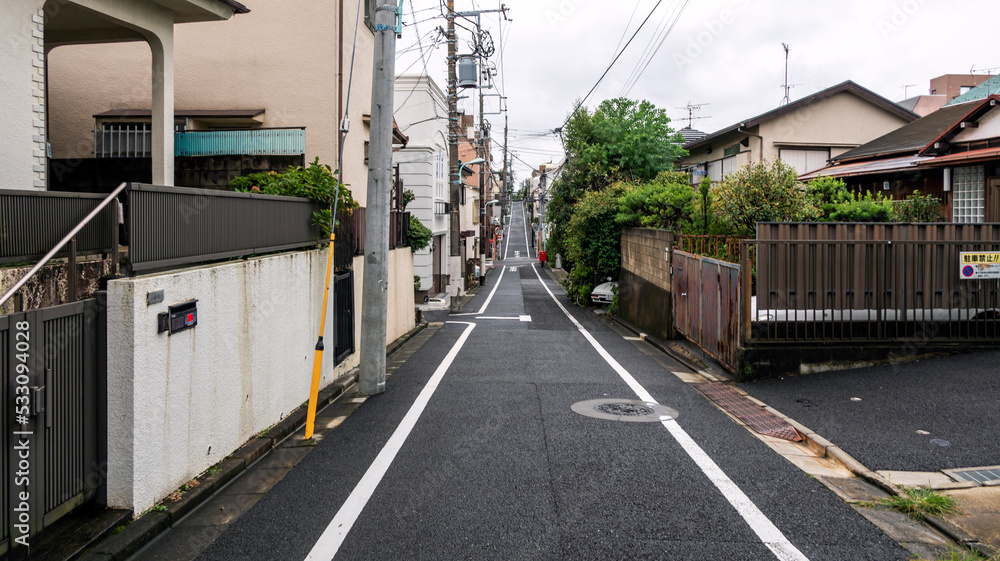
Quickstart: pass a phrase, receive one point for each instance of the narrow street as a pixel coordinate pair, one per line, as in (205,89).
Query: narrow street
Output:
(475,452)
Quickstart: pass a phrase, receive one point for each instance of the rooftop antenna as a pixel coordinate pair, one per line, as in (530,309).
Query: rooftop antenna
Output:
(691,108)
(904,86)
(786,85)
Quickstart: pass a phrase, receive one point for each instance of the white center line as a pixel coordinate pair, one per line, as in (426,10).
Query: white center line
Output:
(768,533)
(333,537)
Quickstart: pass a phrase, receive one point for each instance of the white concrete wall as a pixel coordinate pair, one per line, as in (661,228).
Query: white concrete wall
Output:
(416,169)
(179,404)
(22,97)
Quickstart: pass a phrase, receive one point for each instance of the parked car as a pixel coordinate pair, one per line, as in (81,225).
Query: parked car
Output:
(604,293)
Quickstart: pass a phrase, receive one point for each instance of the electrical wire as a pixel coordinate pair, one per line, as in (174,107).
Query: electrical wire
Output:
(658,46)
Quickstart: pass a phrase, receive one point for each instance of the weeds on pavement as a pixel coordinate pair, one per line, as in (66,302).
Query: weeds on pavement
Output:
(918,501)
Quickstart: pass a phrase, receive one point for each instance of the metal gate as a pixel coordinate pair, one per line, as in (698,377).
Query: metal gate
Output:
(706,304)
(343,316)
(51,368)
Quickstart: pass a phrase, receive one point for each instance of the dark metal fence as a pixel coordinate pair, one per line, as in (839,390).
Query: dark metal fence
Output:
(343,312)
(870,290)
(173,226)
(54,356)
(350,238)
(706,304)
(33,222)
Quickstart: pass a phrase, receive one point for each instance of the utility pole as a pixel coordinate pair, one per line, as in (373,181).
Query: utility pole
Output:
(376,280)
(504,196)
(484,139)
(455,176)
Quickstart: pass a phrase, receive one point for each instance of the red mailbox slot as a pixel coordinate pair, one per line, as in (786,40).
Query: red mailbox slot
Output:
(541,257)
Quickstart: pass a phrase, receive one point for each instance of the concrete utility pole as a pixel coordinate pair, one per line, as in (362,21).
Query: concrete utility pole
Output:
(376,281)
(484,139)
(504,197)
(455,180)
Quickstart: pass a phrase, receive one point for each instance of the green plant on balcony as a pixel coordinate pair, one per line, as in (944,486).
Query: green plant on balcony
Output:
(317,182)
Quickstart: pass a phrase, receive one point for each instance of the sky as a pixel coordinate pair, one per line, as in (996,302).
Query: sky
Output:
(725,55)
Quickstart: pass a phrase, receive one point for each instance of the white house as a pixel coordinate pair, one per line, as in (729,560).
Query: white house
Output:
(421,113)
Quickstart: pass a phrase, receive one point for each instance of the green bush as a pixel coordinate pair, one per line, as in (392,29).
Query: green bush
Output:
(762,192)
(825,193)
(864,208)
(662,203)
(420,235)
(316,182)
(580,283)
(919,208)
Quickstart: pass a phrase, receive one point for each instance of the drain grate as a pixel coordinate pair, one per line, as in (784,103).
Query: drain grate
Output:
(981,475)
(626,409)
(753,415)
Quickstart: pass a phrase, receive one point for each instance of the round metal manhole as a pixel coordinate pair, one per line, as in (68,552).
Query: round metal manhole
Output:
(627,410)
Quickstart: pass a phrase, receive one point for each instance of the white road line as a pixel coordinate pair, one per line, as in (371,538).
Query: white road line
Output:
(509,226)
(768,533)
(333,537)
(518,318)
(488,298)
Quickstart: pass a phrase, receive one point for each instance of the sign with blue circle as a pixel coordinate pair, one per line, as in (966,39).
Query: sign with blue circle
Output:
(968,271)
(979,265)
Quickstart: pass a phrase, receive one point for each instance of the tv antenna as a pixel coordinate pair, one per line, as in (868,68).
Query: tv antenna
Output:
(786,86)
(904,86)
(691,108)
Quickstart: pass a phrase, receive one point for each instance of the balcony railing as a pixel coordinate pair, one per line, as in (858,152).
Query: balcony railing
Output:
(254,142)
(136,141)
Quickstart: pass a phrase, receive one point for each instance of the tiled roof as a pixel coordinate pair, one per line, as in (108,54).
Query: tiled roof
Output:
(982,91)
(689,134)
(910,138)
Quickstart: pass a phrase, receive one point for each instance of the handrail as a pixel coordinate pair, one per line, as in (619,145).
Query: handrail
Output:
(48,256)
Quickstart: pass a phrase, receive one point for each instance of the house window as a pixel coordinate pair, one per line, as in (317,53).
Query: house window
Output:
(370,14)
(804,161)
(962,90)
(967,186)
(731,151)
(440,176)
(715,170)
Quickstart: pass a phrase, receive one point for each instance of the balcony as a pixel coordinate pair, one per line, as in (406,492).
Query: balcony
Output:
(253,142)
(135,141)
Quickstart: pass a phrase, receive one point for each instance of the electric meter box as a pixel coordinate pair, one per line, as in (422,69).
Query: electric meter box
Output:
(468,75)
(177,318)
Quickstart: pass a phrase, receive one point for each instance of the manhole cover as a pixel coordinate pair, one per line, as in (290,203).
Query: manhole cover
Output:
(628,410)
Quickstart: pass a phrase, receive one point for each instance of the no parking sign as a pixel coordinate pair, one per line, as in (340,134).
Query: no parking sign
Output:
(980,265)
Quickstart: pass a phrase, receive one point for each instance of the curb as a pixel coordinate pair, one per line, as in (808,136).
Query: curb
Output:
(833,452)
(147,527)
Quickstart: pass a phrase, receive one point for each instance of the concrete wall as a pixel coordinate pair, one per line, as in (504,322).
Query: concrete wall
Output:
(179,404)
(644,289)
(417,172)
(22,97)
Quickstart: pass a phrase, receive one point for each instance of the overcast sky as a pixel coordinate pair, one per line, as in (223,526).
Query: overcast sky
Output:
(726,54)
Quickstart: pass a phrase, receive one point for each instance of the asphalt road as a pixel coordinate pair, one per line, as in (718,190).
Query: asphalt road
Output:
(875,413)
(498,465)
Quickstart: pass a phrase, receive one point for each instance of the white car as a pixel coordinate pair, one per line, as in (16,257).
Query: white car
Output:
(604,293)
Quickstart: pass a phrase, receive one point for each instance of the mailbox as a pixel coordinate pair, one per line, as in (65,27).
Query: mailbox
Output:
(179,317)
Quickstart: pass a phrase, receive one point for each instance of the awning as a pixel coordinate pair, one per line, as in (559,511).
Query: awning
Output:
(906,163)
(966,157)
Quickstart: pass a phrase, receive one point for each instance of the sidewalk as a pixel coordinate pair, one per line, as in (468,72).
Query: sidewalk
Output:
(874,414)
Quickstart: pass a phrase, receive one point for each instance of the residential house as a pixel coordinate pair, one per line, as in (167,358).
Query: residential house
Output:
(804,134)
(953,153)
(36,31)
(422,112)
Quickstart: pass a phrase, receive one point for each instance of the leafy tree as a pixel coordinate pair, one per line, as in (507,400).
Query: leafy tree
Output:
(919,208)
(662,203)
(622,139)
(420,235)
(593,240)
(762,192)
(864,208)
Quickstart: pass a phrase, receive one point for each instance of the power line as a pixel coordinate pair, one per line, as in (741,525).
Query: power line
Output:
(662,40)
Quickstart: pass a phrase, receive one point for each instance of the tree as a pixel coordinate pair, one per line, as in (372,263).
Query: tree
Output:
(420,235)
(762,192)
(662,203)
(593,240)
(622,139)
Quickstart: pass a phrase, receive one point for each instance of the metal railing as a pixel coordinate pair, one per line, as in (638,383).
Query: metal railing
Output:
(724,248)
(174,226)
(69,238)
(251,142)
(31,222)
(399,229)
(123,140)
